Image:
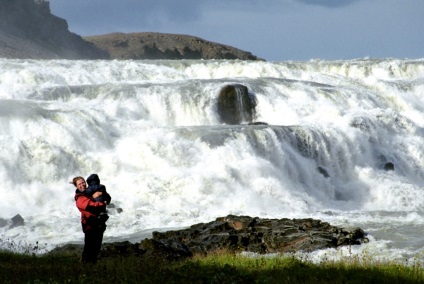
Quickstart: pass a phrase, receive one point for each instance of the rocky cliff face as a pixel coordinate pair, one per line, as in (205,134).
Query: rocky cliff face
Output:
(149,45)
(29,30)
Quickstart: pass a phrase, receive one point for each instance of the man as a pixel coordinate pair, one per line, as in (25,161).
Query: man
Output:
(92,226)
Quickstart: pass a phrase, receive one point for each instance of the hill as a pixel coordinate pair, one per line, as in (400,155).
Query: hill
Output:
(149,45)
(29,30)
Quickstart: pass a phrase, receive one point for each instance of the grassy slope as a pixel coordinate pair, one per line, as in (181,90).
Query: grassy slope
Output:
(220,268)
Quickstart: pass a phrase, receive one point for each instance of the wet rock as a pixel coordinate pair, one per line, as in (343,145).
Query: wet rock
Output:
(235,104)
(243,233)
(363,123)
(258,123)
(323,171)
(306,140)
(389,166)
(120,249)
(164,250)
(68,249)
(112,209)
(237,233)
(17,221)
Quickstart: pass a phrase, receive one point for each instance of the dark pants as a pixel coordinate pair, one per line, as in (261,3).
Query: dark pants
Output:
(92,244)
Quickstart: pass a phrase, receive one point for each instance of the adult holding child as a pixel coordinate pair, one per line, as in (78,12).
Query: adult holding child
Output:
(92,221)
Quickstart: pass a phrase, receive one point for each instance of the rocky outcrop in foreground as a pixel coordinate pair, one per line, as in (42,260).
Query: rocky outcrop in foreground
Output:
(236,233)
(149,45)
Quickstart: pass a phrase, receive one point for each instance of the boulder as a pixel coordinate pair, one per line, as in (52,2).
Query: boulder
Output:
(258,123)
(389,166)
(243,233)
(164,250)
(120,249)
(234,234)
(17,221)
(68,249)
(235,105)
(323,171)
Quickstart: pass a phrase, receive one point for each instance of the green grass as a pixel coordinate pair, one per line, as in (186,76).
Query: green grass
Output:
(217,268)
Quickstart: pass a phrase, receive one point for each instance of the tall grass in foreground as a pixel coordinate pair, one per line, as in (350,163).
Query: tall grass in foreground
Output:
(217,268)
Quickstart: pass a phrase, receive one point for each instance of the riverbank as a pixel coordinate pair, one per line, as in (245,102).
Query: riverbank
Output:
(222,267)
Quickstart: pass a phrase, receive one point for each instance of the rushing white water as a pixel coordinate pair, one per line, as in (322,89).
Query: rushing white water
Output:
(150,130)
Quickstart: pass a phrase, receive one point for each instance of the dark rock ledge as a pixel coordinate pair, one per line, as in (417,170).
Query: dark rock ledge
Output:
(236,233)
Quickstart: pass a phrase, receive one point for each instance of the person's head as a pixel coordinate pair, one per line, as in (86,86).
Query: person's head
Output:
(79,183)
(93,180)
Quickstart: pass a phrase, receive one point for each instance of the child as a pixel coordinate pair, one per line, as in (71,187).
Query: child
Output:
(94,185)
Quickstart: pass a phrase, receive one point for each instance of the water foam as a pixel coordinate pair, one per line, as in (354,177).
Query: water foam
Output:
(151,132)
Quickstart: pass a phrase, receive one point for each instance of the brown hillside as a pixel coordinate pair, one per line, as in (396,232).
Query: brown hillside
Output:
(148,45)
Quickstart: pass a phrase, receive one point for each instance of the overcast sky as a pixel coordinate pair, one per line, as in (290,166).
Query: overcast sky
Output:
(275,30)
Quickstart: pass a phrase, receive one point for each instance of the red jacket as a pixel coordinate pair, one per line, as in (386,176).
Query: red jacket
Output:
(89,209)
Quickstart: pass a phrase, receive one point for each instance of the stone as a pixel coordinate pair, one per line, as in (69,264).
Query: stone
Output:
(323,171)
(235,234)
(164,250)
(17,221)
(258,123)
(243,233)
(235,104)
(389,166)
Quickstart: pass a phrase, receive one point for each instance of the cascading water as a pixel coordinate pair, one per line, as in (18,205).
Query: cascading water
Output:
(241,106)
(152,132)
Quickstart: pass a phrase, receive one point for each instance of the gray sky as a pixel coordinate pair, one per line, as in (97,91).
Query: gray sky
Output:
(275,30)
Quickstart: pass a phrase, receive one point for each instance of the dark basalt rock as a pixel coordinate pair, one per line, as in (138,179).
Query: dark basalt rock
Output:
(363,123)
(164,250)
(68,249)
(236,234)
(323,171)
(15,221)
(235,104)
(258,123)
(389,166)
(243,233)
(3,222)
